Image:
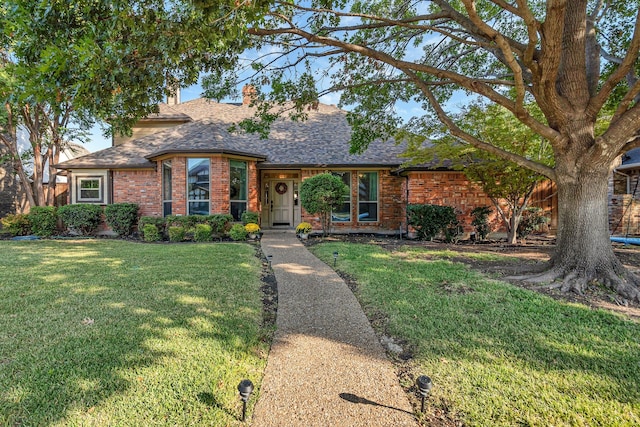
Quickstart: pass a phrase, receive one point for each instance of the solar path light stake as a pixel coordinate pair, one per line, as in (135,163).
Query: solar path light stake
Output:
(424,385)
(335,258)
(269,259)
(245,388)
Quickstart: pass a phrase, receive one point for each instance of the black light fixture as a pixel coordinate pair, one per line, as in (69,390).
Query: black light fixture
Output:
(424,385)
(335,258)
(245,388)
(269,259)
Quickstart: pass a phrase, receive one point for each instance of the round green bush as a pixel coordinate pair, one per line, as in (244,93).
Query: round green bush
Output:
(44,220)
(202,233)
(176,233)
(238,232)
(151,233)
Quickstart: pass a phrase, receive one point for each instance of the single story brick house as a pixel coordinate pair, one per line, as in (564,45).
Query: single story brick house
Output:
(183,161)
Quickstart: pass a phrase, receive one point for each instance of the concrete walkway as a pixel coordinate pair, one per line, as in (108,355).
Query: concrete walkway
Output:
(326,366)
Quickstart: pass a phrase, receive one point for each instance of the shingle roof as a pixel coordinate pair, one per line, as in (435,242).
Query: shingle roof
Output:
(167,113)
(320,141)
(630,159)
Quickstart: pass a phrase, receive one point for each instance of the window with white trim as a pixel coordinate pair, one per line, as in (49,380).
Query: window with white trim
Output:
(89,189)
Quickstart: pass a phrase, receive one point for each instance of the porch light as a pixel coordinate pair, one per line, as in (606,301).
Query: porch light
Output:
(424,386)
(335,258)
(245,388)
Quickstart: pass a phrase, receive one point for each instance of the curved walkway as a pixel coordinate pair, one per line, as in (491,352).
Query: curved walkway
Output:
(326,366)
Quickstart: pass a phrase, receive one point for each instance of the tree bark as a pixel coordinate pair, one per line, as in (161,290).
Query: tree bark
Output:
(584,253)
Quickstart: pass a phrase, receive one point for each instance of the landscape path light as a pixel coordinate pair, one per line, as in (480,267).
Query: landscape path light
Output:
(269,259)
(335,258)
(245,388)
(424,386)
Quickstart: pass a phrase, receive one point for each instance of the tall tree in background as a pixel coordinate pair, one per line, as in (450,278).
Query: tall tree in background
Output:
(65,64)
(576,60)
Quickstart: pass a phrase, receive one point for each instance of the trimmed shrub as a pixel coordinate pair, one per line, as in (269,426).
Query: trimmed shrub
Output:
(429,220)
(321,194)
(481,221)
(16,224)
(202,233)
(82,219)
(532,219)
(44,220)
(220,223)
(150,233)
(238,232)
(176,221)
(249,217)
(158,221)
(121,217)
(177,233)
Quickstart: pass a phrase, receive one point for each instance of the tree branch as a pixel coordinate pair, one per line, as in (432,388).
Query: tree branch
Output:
(625,67)
(459,133)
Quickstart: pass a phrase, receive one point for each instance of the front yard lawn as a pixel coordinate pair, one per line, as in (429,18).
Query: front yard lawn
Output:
(119,333)
(498,355)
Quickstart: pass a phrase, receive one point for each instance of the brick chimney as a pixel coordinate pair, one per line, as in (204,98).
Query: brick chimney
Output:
(248,94)
(174,97)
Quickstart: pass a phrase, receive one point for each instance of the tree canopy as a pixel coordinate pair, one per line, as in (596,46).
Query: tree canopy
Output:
(576,61)
(67,63)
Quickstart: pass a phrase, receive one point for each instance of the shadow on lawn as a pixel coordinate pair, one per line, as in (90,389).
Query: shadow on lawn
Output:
(122,323)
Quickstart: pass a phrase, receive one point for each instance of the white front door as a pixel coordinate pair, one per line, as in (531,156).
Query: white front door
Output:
(282,199)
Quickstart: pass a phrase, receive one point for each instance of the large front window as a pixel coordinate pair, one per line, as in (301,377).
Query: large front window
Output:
(238,188)
(368,196)
(343,214)
(198,186)
(166,188)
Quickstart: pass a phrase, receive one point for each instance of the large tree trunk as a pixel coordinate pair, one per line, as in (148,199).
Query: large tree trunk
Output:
(584,253)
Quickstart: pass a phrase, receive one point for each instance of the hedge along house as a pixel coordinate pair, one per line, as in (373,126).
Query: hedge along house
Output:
(184,161)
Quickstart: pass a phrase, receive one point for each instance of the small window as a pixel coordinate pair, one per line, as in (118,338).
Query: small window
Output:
(238,188)
(368,196)
(90,189)
(166,188)
(343,214)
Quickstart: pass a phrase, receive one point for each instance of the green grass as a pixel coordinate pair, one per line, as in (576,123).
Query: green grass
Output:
(499,355)
(118,333)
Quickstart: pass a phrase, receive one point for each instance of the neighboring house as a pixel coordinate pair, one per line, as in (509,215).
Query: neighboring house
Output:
(624,195)
(183,161)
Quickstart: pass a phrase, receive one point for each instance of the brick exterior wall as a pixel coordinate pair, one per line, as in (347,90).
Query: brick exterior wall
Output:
(220,202)
(144,187)
(138,186)
(450,188)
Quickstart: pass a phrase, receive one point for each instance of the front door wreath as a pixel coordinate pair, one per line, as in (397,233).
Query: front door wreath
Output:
(281,188)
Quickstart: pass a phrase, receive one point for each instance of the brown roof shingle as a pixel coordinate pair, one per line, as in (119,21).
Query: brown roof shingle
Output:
(320,141)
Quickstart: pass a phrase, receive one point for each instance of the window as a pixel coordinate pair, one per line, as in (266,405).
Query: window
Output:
(238,188)
(620,184)
(166,188)
(343,214)
(368,196)
(89,189)
(198,186)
